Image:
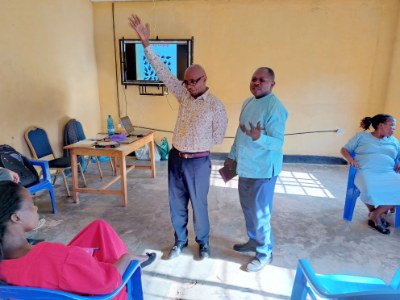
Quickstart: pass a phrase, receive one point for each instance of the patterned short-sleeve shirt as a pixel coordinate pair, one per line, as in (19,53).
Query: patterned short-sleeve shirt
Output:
(201,121)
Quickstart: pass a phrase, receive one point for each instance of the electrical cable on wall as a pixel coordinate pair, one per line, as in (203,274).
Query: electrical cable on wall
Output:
(337,131)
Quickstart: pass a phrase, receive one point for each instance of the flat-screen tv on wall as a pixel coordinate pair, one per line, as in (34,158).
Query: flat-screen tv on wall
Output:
(136,69)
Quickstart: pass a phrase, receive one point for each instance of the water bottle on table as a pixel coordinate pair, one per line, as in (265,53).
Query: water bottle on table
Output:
(110,126)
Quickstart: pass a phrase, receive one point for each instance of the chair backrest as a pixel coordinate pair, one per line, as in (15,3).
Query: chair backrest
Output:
(38,142)
(73,133)
(131,279)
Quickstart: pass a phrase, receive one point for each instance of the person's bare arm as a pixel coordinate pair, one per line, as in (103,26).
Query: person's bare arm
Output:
(348,157)
(123,262)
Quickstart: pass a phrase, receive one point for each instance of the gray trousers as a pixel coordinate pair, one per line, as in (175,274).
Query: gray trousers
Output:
(256,198)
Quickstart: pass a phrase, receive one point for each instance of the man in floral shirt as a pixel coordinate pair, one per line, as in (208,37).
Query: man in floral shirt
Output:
(201,124)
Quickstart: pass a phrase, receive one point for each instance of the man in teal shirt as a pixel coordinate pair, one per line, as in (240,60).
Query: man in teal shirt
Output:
(257,154)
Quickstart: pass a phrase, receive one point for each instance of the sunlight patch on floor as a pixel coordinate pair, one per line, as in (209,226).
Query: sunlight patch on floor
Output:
(217,278)
(292,183)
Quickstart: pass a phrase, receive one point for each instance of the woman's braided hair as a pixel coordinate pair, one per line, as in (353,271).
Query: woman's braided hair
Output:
(10,202)
(374,121)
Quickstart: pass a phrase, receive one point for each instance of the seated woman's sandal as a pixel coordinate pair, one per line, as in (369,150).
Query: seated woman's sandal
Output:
(379,227)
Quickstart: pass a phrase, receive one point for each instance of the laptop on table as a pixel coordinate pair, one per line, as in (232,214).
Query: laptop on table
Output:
(127,124)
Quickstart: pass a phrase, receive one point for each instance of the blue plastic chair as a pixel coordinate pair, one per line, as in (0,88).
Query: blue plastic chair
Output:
(353,193)
(44,183)
(131,279)
(307,282)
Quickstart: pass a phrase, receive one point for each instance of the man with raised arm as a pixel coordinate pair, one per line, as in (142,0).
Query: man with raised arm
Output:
(201,124)
(257,155)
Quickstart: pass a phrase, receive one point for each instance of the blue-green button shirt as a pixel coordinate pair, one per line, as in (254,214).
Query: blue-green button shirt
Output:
(261,158)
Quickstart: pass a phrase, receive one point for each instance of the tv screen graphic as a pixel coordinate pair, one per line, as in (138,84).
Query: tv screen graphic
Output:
(167,53)
(136,69)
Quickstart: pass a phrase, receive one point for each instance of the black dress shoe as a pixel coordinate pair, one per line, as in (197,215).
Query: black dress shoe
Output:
(204,252)
(246,247)
(176,250)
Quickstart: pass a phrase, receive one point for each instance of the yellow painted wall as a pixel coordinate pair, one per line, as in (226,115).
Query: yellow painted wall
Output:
(333,60)
(336,62)
(393,96)
(48,70)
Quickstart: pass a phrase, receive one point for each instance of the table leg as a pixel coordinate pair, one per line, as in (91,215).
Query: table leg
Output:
(115,162)
(152,158)
(124,190)
(74,171)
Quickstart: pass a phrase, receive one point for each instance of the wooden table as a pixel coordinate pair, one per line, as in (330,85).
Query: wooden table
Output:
(118,155)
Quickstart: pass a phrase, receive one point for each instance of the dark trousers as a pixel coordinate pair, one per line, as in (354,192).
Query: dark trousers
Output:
(189,179)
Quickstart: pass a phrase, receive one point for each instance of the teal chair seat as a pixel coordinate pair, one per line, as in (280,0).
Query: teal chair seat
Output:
(307,282)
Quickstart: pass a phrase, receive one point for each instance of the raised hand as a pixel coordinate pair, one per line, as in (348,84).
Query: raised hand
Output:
(254,132)
(143,31)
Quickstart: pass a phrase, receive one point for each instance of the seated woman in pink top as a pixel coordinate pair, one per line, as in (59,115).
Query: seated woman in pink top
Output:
(71,267)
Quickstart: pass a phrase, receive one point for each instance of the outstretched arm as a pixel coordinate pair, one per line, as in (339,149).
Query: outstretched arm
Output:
(163,73)
(142,30)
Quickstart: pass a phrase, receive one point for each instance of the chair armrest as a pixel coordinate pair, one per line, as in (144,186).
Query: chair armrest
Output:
(45,168)
(395,283)
(132,267)
(312,278)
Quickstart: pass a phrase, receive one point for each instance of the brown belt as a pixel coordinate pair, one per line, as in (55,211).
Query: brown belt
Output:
(190,155)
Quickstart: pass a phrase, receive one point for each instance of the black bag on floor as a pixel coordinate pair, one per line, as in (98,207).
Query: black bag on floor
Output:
(14,161)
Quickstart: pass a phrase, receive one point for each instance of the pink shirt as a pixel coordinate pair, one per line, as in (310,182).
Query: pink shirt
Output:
(60,267)
(201,121)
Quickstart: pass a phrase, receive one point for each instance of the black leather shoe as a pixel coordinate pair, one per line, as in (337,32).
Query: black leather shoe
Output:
(246,247)
(176,250)
(204,252)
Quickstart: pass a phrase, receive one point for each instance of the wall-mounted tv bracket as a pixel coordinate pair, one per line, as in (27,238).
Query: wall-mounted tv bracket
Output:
(152,90)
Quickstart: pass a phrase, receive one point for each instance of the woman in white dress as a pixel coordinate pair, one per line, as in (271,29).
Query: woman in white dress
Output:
(376,155)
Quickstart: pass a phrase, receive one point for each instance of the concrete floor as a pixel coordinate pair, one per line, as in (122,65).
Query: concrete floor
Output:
(307,223)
